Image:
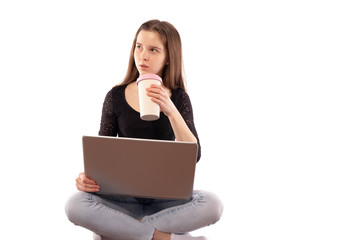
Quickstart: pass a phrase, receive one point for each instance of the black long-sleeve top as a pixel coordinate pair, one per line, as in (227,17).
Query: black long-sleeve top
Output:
(120,119)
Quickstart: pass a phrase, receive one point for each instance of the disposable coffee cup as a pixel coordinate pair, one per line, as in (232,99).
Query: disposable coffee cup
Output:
(149,110)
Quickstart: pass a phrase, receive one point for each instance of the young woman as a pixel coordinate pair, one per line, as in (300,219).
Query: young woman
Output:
(156,49)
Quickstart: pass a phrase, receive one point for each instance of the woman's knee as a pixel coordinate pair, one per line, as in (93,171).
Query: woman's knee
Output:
(74,206)
(212,206)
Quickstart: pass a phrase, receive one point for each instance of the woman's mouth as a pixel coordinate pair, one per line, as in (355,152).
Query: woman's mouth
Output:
(144,67)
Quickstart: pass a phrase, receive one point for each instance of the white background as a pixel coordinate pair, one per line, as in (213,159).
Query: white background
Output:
(275,93)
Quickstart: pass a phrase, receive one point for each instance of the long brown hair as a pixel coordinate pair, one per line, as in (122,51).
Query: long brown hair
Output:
(172,75)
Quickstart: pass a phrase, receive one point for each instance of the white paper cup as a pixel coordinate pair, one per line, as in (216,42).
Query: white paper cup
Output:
(149,110)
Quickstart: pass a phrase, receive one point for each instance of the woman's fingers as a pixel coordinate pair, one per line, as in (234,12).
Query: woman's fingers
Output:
(85,179)
(89,183)
(85,184)
(159,95)
(87,188)
(157,90)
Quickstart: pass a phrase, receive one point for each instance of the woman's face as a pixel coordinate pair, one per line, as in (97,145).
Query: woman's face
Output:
(150,53)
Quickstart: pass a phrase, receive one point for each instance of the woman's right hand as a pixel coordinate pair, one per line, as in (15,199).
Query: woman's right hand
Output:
(86,184)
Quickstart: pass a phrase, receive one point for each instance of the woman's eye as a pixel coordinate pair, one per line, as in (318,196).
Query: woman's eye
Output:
(154,50)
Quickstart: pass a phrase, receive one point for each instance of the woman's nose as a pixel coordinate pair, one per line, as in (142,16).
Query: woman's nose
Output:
(145,55)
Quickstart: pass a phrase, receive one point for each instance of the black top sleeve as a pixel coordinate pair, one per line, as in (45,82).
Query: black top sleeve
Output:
(108,124)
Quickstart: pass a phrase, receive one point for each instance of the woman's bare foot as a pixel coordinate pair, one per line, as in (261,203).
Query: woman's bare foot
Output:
(161,235)
(166,236)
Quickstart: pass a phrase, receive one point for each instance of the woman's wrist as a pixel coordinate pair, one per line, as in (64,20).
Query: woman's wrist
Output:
(174,114)
(180,128)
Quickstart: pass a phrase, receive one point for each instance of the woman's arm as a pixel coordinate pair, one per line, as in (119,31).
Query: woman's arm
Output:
(179,113)
(108,127)
(181,130)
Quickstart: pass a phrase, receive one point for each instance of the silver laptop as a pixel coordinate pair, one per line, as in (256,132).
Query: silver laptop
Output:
(141,167)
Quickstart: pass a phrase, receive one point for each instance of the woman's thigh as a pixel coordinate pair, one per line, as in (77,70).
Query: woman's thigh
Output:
(86,202)
(203,209)
(114,217)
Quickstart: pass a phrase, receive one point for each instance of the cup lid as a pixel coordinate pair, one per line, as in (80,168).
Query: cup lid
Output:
(148,76)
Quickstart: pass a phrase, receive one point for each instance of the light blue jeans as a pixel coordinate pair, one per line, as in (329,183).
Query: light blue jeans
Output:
(128,218)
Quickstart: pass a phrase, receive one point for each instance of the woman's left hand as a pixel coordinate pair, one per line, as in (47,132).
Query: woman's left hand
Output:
(160,96)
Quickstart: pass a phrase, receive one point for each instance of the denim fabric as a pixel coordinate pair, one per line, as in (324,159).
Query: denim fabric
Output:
(124,217)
